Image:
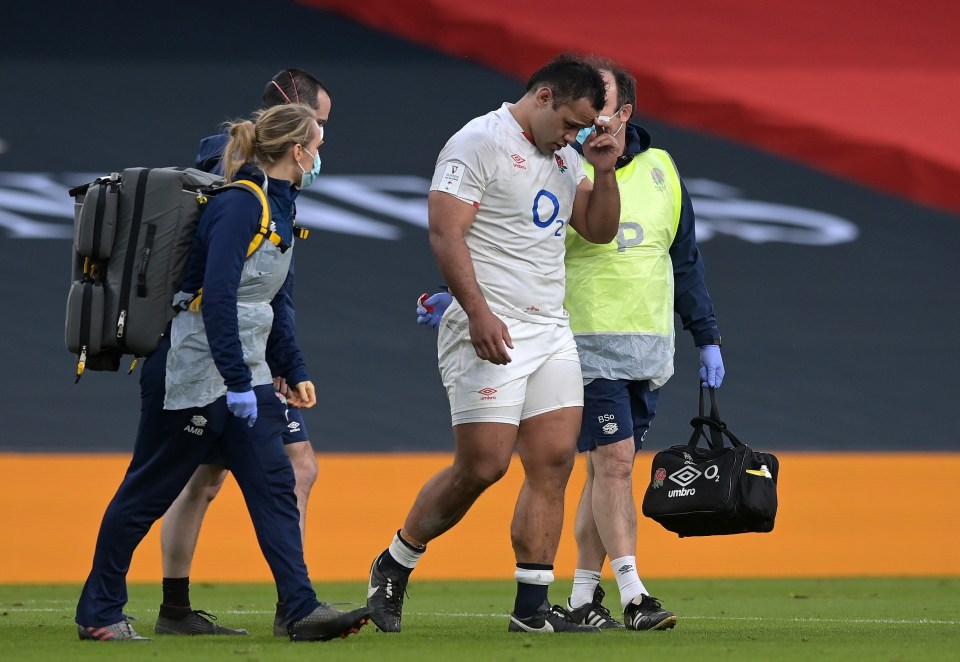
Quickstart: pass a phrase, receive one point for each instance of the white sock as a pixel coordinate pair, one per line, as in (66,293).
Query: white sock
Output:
(628,581)
(403,553)
(585,583)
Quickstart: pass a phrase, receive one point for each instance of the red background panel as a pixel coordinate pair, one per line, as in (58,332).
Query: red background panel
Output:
(864,89)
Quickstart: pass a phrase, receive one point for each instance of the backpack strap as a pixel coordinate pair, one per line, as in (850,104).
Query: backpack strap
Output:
(264,231)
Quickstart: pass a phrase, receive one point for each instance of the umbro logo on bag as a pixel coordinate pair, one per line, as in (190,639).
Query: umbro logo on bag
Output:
(685,475)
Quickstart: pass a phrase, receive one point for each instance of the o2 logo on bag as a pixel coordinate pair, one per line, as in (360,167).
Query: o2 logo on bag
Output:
(546,205)
(712,473)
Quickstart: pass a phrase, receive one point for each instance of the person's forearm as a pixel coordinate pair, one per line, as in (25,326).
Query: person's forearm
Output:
(456,265)
(603,209)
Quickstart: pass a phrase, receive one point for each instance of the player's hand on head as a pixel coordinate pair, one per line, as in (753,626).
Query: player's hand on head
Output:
(601,149)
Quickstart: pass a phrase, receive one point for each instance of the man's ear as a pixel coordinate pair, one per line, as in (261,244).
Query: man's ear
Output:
(544,96)
(628,109)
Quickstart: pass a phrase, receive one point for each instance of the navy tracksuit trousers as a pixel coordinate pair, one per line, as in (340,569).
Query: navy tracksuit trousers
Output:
(169,447)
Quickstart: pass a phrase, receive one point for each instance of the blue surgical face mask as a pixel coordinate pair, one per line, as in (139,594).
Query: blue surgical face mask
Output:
(310,176)
(585,132)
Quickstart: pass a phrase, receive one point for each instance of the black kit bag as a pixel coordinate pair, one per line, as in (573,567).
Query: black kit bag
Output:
(713,491)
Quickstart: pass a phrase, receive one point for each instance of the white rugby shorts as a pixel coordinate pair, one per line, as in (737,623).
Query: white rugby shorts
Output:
(543,376)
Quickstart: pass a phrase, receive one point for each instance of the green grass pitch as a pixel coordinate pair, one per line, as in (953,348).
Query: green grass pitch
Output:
(730,619)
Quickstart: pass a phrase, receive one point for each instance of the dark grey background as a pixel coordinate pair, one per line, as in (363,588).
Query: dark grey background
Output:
(847,347)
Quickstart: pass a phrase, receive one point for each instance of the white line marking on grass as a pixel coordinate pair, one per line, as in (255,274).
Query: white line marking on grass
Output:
(798,619)
(786,619)
(449,614)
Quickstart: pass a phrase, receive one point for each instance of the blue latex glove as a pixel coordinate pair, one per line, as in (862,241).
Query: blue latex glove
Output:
(431,309)
(243,405)
(711,366)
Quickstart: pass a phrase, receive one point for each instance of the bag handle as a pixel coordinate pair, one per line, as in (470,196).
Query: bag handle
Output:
(717,428)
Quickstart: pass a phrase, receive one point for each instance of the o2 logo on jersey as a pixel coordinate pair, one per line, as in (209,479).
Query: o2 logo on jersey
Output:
(546,206)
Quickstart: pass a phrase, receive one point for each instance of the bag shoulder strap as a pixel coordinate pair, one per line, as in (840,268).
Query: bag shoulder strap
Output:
(263,232)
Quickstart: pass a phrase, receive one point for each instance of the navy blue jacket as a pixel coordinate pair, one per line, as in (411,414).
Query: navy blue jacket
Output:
(278,354)
(211,153)
(219,250)
(691,300)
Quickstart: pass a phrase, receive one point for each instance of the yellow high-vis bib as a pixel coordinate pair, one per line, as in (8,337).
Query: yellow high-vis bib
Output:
(620,295)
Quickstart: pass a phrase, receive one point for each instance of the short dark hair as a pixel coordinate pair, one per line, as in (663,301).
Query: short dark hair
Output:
(292,86)
(626,83)
(571,77)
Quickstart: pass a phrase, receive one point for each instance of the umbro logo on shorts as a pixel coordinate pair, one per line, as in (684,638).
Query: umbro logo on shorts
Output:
(488,393)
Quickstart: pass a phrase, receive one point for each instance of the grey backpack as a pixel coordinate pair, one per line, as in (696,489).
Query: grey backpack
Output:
(132,233)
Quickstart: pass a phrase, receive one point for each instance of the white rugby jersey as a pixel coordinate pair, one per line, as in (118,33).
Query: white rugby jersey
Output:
(524,201)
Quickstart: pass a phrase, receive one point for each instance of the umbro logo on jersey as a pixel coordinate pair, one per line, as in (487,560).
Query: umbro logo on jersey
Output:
(518,161)
(293,426)
(198,421)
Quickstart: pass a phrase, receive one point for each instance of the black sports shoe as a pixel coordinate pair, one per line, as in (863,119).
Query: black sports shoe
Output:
(648,615)
(548,619)
(120,631)
(194,622)
(594,613)
(385,596)
(325,623)
(280,621)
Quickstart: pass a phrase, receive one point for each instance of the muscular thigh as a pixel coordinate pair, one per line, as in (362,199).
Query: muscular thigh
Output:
(556,384)
(547,442)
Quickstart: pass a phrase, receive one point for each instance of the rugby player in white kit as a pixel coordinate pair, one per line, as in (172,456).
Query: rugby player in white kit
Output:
(504,189)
